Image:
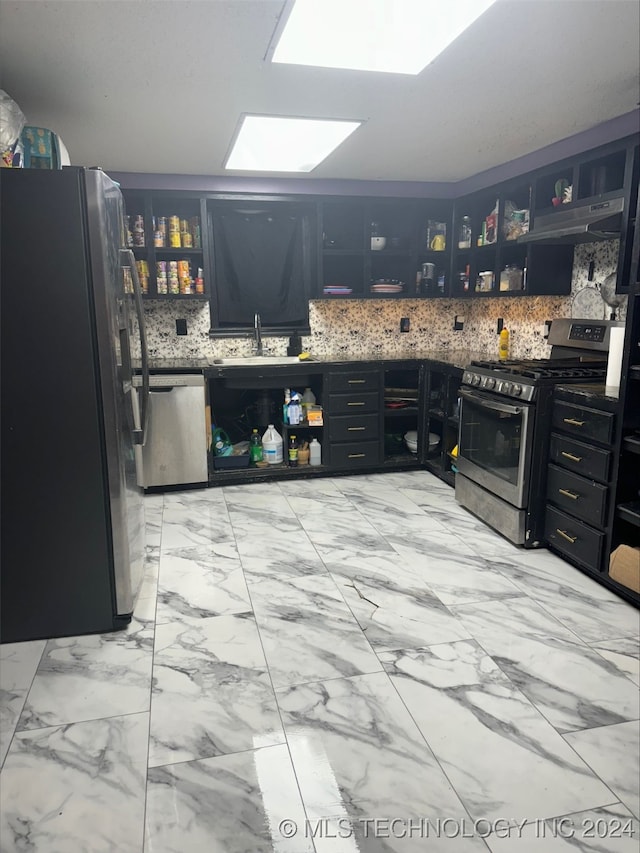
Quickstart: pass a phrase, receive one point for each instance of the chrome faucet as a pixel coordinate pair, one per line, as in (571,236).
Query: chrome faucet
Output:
(257,329)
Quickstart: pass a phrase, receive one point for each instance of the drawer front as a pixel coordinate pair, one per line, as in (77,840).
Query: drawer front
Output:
(342,383)
(354,427)
(354,454)
(576,495)
(353,404)
(573,538)
(584,459)
(583,422)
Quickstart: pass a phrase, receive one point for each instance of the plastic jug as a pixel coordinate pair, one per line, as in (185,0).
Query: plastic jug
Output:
(315,452)
(221,443)
(308,400)
(272,446)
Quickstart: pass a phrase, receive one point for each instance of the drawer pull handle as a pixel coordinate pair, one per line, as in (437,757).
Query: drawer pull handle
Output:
(357,455)
(571,456)
(574,422)
(356,381)
(355,404)
(566,536)
(355,429)
(569,494)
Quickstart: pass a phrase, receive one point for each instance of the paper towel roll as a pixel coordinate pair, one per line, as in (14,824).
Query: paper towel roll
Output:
(614,362)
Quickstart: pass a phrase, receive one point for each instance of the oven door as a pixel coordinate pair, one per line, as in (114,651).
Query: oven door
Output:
(495,441)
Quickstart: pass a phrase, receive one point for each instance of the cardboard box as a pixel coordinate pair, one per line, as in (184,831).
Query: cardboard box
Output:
(41,148)
(624,566)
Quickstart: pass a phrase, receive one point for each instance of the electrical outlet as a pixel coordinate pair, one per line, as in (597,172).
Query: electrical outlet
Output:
(458,323)
(500,325)
(181,327)
(547,328)
(405,324)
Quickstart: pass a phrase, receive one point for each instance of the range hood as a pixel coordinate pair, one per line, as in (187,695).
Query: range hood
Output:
(586,223)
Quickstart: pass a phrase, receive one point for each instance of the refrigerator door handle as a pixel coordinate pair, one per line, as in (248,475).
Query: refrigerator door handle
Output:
(140,436)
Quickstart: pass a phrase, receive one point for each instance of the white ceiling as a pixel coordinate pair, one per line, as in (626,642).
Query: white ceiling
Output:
(158,85)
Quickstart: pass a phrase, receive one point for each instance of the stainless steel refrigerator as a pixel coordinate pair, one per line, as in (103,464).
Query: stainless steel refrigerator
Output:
(72,517)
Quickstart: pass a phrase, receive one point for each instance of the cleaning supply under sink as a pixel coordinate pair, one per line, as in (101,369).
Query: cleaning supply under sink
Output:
(221,443)
(272,446)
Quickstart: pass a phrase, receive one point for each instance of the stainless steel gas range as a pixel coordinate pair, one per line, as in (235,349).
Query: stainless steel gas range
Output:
(505,417)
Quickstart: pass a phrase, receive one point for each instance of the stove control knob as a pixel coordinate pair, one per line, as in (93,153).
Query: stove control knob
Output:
(507,388)
(491,383)
(475,379)
(517,390)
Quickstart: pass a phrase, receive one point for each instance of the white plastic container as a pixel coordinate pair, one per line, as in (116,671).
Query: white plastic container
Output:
(272,446)
(315,452)
(308,400)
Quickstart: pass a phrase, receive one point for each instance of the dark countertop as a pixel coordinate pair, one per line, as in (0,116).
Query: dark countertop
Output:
(590,394)
(451,358)
(172,365)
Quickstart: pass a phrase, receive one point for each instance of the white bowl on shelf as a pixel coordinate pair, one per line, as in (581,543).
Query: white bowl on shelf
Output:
(411,440)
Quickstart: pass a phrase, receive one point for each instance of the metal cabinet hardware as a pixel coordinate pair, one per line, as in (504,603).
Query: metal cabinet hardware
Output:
(355,429)
(571,456)
(574,422)
(566,536)
(569,494)
(355,404)
(356,381)
(356,455)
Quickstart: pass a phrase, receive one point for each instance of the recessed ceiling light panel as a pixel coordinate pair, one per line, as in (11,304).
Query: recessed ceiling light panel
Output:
(397,36)
(282,144)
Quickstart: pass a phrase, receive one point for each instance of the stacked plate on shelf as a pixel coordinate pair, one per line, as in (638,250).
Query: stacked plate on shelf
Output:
(385,285)
(337,290)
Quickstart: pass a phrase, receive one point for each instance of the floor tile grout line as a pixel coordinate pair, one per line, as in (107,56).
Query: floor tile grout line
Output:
(595,773)
(545,718)
(24,702)
(274,692)
(153,663)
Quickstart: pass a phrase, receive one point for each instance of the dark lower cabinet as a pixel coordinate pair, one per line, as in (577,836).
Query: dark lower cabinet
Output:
(352,406)
(583,480)
(578,542)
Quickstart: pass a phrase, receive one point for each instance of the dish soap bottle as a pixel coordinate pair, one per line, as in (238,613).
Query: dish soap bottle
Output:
(503,345)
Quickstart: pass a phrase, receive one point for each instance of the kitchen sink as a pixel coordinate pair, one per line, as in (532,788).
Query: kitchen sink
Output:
(242,361)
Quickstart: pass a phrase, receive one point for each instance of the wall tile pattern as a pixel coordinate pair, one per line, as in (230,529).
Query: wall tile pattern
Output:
(356,326)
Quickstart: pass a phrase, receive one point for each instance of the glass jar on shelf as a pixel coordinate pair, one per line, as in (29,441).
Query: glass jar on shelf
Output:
(464,233)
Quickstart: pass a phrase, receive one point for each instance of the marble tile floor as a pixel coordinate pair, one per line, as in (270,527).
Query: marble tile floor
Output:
(351,665)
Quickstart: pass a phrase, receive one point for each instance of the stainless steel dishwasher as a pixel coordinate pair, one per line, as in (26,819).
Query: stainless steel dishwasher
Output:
(175,452)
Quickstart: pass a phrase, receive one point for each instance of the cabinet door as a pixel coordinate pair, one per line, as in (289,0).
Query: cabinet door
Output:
(574,539)
(584,499)
(583,422)
(583,459)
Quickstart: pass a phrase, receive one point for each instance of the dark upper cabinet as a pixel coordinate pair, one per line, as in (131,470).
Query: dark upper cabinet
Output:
(376,248)
(496,263)
(169,243)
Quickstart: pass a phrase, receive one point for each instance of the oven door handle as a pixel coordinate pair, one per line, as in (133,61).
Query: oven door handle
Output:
(486,403)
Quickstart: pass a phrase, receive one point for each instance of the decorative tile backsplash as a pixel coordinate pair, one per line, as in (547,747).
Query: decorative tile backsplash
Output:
(358,326)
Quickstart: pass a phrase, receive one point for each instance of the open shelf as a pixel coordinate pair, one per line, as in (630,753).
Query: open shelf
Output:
(631,444)
(629,512)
